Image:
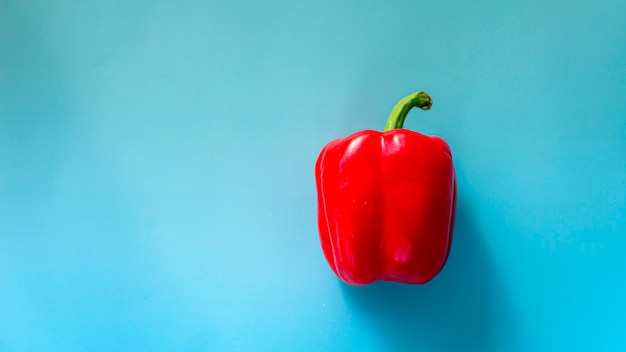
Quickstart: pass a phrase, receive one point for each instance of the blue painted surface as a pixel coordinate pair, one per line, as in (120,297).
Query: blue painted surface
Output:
(156,173)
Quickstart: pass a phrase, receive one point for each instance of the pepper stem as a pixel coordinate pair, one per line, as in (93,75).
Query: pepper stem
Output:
(399,112)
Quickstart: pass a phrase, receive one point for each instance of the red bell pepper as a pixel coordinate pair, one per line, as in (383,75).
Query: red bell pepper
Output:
(386,202)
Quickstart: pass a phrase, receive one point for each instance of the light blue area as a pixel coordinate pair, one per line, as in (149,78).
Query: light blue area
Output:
(156,173)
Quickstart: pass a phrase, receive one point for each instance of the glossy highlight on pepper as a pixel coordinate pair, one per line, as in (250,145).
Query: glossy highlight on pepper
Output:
(386,202)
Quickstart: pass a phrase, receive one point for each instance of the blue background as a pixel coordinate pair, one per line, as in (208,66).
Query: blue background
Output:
(157,189)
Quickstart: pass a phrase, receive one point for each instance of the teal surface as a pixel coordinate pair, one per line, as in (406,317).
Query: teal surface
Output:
(157,189)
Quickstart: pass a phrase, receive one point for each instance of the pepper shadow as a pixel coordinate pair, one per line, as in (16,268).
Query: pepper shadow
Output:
(462,309)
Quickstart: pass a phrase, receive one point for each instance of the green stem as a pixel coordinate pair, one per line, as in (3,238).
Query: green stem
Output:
(399,112)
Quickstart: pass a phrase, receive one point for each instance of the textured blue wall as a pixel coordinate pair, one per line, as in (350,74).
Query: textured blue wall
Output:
(156,173)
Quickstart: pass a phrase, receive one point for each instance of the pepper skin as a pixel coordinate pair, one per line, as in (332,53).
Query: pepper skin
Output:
(386,202)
